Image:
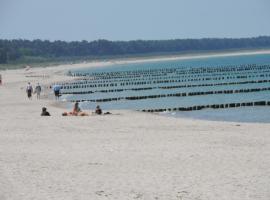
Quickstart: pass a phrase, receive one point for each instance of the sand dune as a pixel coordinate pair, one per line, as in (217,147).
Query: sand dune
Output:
(127,155)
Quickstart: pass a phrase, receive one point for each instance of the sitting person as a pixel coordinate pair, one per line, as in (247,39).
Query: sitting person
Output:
(76,111)
(45,112)
(98,110)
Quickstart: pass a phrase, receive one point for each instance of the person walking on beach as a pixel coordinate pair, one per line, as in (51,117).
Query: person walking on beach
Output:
(38,91)
(29,90)
(0,79)
(56,89)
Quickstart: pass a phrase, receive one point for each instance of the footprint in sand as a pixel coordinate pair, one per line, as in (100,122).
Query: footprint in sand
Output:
(181,195)
(102,193)
(136,195)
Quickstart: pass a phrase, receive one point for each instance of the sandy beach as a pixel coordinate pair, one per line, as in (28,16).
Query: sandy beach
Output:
(126,155)
(107,63)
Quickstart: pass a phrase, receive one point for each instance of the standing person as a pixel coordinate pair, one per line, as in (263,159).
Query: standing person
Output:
(38,91)
(0,79)
(29,90)
(56,89)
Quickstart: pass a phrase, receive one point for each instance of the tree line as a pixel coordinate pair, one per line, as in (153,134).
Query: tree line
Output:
(13,50)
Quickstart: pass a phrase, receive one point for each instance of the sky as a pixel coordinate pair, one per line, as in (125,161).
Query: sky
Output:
(76,20)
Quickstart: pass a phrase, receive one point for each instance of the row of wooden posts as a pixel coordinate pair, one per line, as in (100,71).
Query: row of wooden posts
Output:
(175,75)
(213,106)
(189,76)
(78,85)
(107,77)
(180,70)
(165,87)
(184,94)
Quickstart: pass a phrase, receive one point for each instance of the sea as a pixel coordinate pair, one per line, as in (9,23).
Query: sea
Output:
(221,88)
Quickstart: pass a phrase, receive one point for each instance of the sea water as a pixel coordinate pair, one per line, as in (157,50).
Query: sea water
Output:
(163,84)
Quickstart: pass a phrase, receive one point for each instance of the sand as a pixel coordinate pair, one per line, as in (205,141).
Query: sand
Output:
(126,155)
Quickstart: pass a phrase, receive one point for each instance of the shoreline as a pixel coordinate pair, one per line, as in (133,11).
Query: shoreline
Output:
(109,62)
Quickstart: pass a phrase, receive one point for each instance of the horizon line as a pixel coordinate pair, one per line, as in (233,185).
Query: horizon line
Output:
(102,39)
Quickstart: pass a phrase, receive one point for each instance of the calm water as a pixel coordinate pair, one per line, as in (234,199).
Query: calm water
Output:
(179,83)
(252,114)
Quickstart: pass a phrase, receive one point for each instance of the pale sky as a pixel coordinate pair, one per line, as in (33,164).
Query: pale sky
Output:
(133,19)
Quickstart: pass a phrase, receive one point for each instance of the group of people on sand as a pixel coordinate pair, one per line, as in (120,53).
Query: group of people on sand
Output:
(30,91)
(75,112)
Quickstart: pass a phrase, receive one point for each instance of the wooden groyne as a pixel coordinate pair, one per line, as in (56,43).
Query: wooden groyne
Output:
(183,94)
(166,87)
(211,106)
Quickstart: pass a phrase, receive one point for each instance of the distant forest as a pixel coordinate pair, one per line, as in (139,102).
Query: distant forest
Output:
(16,50)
